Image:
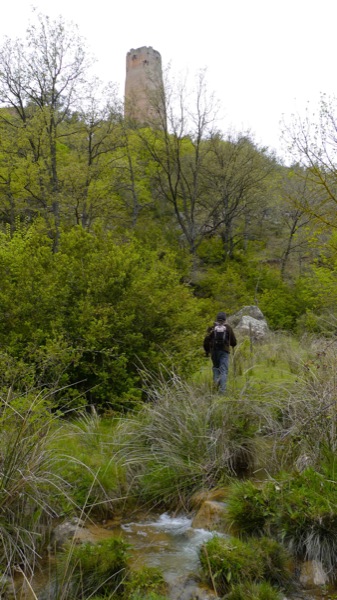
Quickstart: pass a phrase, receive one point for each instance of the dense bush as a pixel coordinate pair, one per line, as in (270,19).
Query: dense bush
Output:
(230,562)
(84,320)
(300,510)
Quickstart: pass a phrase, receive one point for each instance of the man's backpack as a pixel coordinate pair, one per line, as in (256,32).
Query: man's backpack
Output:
(221,336)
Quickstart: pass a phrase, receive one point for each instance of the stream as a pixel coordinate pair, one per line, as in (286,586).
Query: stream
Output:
(169,543)
(172,545)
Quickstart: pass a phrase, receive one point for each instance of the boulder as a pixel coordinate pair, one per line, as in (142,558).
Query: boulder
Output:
(250,327)
(250,322)
(65,531)
(313,574)
(209,515)
(247,311)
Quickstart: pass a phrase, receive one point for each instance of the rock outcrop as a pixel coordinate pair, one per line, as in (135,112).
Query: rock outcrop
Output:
(209,515)
(250,322)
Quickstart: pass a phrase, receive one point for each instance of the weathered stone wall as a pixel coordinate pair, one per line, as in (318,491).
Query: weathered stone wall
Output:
(143,85)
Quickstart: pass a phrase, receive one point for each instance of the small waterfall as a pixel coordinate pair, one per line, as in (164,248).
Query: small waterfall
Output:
(168,542)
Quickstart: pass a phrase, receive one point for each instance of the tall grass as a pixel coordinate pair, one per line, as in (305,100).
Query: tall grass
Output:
(186,439)
(30,490)
(86,458)
(310,414)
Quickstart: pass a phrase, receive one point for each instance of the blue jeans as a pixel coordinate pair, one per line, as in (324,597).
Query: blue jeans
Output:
(220,360)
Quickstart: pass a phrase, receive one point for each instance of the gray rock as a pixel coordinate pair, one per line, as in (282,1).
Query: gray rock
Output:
(65,531)
(313,574)
(247,311)
(256,328)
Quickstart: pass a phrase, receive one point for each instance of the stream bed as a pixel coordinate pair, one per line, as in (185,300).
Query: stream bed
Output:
(167,542)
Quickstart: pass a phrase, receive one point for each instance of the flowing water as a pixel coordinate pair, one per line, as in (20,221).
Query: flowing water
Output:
(169,543)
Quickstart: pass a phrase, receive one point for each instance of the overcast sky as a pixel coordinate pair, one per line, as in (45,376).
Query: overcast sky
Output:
(264,58)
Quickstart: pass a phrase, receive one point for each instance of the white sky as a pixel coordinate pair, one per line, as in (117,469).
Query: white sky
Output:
(264,58)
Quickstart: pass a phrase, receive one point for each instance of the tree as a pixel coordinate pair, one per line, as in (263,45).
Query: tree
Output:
(176,145)
(295,220)
(238,175)
(91,154)
(40,82)
(312,144)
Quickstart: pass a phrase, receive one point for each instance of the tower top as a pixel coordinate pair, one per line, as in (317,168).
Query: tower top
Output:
(143,84)
(135,53)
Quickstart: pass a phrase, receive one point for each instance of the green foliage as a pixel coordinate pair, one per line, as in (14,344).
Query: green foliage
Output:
(248,507)
(279,307)
(83,319)
(229,561)
(211,251)
(254,591)
(307,520)
(91,568)
(226,285)
(86,460)
(30,492)
(146,584)
(275,559)
(185,439)
(300,510)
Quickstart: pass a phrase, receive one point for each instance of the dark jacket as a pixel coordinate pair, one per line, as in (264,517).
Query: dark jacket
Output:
(209,339)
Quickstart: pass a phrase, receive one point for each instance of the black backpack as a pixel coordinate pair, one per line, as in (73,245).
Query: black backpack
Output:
(221,336)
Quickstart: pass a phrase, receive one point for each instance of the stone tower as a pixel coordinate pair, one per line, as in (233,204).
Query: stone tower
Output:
(144,91)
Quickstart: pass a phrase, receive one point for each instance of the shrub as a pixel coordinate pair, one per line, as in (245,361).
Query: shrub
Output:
(87,331)
(299,510)
(275,559)
(307,518)
(229,561)
(249,507)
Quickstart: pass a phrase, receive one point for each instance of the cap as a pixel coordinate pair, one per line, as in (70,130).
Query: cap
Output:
(221,316)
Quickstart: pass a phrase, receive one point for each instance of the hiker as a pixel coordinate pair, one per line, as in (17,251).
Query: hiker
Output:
(217,342)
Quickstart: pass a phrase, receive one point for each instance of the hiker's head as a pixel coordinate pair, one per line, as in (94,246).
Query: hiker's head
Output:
(221,316)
